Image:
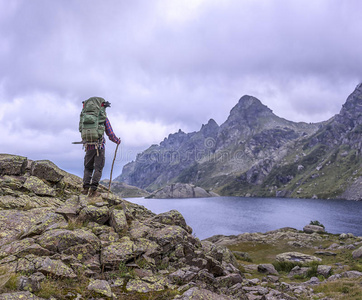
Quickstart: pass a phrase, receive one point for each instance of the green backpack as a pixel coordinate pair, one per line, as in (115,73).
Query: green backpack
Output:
(92,118)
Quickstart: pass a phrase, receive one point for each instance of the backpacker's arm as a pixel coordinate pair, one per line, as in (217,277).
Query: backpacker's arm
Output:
(109,132)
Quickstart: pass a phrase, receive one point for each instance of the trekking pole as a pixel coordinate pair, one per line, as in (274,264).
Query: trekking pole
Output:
(110,177)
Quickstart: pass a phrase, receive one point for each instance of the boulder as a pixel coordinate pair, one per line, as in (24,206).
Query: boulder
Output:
(15,222)
(115,253)
(267,269)
(297,257)
(146,285)
(38,187)
(183,275)
(45,169)
(196,293)
(299,271)
(172,217)
(228,280)
(357,254)
(101,287)
(19,295)
(56,268)
(313,228)
(50,221)
(324,270)
(12,164)
(63,240)
(96,214)
(118,221)
(169,236)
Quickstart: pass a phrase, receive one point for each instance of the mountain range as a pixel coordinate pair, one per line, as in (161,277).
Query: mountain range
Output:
(256,153)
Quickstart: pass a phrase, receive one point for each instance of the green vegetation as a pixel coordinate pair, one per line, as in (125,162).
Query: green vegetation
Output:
(317,223)
(342,289)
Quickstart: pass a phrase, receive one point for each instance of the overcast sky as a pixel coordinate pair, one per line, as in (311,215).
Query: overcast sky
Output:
(166,65)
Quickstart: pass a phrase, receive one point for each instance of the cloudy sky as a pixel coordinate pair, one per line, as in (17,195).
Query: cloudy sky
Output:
(166,65)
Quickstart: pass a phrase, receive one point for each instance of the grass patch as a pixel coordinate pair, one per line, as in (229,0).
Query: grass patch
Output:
(76,223)
(8,281)
(341,289)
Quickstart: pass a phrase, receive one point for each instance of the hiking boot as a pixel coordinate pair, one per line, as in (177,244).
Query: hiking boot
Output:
(85,191)
(94,193)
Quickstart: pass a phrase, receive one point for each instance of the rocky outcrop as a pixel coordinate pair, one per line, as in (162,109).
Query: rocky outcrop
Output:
(256,153)
(75,247)
(181,190)
(103,246)
(313,228)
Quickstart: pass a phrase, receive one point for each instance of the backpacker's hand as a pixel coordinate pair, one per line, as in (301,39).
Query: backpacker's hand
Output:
(119,141)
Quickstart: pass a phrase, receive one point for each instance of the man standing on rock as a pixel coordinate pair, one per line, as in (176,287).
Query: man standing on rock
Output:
(94,158)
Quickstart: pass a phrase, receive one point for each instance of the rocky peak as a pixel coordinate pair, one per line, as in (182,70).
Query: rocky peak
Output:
(344,128)
(249,105)
(352,109)
(210,128)
(246,115)
(174,139)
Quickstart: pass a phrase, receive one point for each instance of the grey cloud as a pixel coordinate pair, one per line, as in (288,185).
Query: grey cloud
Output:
(301,58)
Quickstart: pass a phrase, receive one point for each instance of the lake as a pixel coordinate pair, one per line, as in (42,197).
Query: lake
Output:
(236,215)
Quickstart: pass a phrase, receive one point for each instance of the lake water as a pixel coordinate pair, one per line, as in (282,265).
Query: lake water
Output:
(236,215)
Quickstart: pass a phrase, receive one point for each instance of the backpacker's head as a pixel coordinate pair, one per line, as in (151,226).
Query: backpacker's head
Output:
(106,104)
(101,102)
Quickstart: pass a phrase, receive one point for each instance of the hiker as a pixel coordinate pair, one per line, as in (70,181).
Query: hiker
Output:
(93,124)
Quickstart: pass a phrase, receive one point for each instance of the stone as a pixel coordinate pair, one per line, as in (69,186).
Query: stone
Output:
(101,287)
(206,277)
(299,271)
(172,217)
(56,268)
(312,281)
(196,293)
(47,170)
(219,252)
(325,253)
(228,280)
(15,222)
(118,221)
(313,228)
(343,236)
(51,221)
(96,214)
(259,290)
(267,269)
(144,286)
(60,240)
(351,274)
(32,283)
(182,276)
(272,279)
(19,295)
(357,254)
(12,164)
(72,207)
(115,253)
(297,257)
(324,270)
(169,236)
(38,187)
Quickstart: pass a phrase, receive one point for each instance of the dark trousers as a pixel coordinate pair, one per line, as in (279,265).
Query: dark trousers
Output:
(93,167)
